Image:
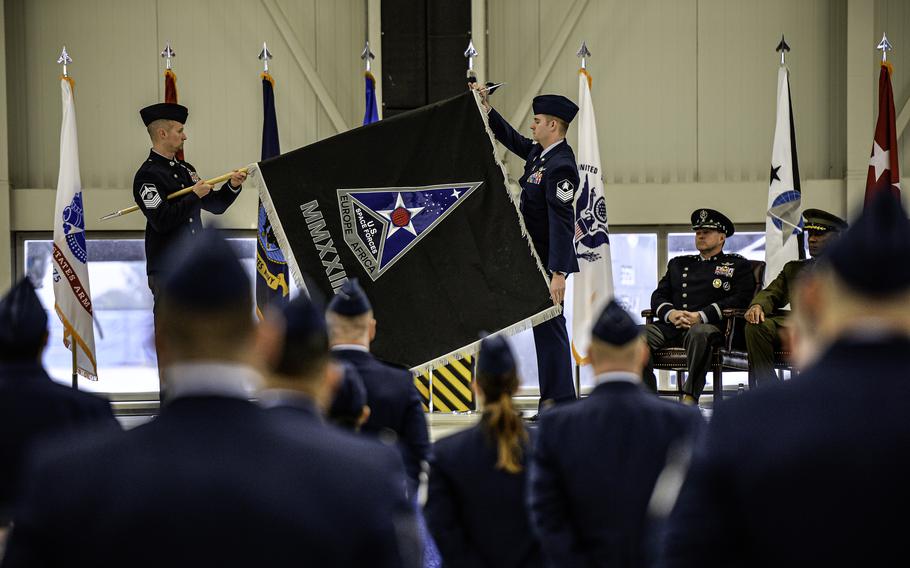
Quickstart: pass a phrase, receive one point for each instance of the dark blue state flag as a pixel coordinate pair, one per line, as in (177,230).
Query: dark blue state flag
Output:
(272,281)
(417,208)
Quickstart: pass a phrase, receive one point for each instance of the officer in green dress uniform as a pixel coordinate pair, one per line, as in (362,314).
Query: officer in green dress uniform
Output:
(769,309)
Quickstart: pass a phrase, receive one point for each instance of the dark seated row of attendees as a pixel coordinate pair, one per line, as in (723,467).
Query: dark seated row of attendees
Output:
(804,472)
(689,301)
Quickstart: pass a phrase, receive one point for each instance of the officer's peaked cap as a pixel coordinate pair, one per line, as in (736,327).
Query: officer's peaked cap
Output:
(822,221)
(555,105)
(711,219)
(167,111)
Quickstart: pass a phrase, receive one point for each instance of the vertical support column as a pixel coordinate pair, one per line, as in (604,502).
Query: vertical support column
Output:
(479,37)
(6,236)
(861,75)
(374,36)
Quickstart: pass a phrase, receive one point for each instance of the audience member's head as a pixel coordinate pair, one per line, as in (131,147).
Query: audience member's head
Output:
(863,281)
(23,324)
(616,342)
(295,343)
(495,381)
(205,307)
(350,316)
(349,407)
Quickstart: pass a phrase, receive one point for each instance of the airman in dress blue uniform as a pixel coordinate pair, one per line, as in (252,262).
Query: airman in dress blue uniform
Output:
(162,174)
(690,298)
(548,187)
(596,461)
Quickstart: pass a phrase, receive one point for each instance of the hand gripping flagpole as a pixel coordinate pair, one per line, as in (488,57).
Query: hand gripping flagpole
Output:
(184,191)
(471,53)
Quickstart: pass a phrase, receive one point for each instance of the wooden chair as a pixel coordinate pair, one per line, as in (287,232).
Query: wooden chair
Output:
(674,358)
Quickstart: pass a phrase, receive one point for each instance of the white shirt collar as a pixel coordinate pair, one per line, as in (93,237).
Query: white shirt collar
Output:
(617,377)
(551,146)
(350,347)
(212,378)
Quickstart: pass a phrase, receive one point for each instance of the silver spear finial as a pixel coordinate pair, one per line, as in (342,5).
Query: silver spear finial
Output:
(264,56)
(65,60)
(167,53)
(584,53)
(885,46)
(470,53)
(367,56)
(783,48)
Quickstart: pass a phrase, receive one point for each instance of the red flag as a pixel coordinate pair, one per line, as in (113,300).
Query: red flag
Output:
(170,95)
(884,170)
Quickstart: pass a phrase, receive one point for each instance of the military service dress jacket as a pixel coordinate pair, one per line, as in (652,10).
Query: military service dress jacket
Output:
(707,286)
(777,294)
(166,220)
(548,188)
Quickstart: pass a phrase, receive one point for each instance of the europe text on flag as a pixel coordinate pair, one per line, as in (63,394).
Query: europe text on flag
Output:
(592,285)
(417,208)
(783,224)
(72,294)
(884,168)
(272,286)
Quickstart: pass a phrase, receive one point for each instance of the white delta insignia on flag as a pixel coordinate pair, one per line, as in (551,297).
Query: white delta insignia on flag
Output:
(382,224)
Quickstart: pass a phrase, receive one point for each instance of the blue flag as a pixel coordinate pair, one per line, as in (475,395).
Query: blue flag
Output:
(271,266)
(371,112)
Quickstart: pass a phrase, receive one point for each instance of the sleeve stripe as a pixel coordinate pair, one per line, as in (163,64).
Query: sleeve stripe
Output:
(720,314)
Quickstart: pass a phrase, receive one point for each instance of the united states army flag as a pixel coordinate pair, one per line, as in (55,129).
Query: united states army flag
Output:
(783,224)
(593,283)
(72,297)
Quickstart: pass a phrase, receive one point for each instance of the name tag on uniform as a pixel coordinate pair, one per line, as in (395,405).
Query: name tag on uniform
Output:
(536,177)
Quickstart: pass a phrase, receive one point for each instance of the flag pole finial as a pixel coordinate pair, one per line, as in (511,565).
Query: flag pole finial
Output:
(885,46)
(367,56)
(64,60)
(783,48)
(167,53)
(471,53)
(584,53)
(264,56)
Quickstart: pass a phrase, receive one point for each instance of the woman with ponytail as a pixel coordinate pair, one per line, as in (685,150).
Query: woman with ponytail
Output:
(476,503)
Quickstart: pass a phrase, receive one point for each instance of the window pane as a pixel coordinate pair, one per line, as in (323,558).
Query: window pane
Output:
(122,302)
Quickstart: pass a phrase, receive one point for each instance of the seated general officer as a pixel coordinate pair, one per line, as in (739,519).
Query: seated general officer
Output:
(32,406)
(812,472)
(214,480)
(476,503)
(547,206)
(770,307)
(596,461)
(162,174)
(395,407)
(690,298)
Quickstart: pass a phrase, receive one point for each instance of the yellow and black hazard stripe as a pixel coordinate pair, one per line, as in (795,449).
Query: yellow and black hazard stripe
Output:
(449,387)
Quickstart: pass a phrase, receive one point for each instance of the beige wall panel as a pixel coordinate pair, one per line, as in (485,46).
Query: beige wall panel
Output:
(737,69)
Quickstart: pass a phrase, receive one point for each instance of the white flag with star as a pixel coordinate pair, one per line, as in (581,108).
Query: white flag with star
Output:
(783,225)
(592,285)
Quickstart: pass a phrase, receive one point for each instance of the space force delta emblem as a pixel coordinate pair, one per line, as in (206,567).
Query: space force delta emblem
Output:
(381,225)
